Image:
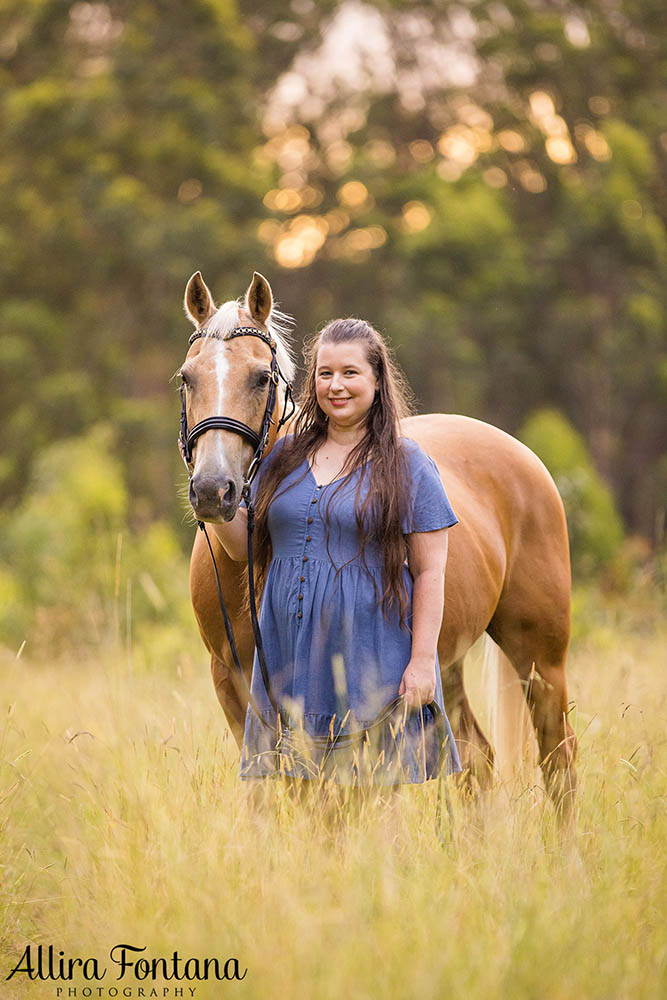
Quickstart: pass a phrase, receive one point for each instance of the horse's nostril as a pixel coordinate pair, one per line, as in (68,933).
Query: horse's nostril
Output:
(193,493)
(227,492)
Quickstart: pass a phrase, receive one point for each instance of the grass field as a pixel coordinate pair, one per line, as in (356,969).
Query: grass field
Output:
(123,821)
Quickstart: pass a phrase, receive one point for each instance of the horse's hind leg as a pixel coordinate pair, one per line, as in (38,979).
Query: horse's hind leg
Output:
(233,704)
(473,747)
(536,641)
(546,693)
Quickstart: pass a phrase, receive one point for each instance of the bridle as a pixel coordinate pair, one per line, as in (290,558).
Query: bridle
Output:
(187,439)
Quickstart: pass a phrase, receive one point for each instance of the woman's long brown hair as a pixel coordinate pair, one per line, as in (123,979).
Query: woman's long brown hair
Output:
(379,514)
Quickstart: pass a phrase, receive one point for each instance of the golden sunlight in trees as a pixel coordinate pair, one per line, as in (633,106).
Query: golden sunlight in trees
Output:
(560,149)
(353,194)
(416,216)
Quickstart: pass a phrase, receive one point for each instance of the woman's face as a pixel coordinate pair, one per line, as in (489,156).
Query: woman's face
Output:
(345,383)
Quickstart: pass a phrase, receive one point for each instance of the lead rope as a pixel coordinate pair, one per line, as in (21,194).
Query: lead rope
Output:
(259,645)
(229,630)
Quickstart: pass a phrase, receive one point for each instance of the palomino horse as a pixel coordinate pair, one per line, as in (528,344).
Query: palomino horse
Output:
(508,570)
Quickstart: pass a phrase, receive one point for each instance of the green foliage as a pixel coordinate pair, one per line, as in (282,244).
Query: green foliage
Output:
(525,257)
(71,572)
(509,273)
(594,525)
(125,166)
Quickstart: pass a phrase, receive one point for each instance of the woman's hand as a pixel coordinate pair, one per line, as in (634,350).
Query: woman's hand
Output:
(418,681)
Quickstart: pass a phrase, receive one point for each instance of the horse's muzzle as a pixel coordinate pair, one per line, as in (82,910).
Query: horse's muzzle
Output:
(213,499)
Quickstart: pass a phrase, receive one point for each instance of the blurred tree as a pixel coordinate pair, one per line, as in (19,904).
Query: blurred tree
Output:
(71,573)
(125,163)
(583,88)
(487,183)
(484,181)
(594,525)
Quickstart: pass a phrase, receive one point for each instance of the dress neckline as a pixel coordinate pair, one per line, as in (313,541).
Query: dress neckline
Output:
(321,486)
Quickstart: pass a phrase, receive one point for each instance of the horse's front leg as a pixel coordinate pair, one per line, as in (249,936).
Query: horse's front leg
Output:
(232,691)
(231,696)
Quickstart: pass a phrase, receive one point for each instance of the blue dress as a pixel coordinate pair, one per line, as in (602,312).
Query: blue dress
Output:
(334,661)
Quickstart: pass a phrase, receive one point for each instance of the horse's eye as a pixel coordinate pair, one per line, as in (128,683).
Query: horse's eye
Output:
(184,379)
(263,380)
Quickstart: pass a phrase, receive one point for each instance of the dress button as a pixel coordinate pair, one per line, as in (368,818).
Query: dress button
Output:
(302,578)
(300,597)
(310,520)
(314,500)
(305,559)
(300,615)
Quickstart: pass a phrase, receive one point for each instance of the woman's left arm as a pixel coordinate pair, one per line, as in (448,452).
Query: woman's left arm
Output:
(427,558)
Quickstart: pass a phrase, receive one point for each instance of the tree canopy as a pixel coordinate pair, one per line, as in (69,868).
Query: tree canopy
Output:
(484,181)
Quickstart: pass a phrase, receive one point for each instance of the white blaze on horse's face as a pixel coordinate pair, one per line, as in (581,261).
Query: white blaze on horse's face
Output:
(226,378)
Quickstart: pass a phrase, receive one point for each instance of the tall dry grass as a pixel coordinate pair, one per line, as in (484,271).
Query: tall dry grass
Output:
(123,820)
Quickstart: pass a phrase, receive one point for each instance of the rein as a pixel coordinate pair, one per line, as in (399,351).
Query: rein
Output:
(187,439)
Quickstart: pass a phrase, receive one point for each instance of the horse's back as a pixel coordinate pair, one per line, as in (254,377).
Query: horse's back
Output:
(495,479)
(474,454)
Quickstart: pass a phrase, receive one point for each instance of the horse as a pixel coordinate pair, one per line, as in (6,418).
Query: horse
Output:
(508,568)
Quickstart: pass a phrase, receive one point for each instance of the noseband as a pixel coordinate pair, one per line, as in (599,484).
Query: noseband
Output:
(187,438)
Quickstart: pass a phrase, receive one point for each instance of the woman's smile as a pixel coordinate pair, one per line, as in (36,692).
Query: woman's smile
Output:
(345,383)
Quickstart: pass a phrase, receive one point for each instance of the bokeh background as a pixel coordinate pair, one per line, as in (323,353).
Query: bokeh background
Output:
(484,181)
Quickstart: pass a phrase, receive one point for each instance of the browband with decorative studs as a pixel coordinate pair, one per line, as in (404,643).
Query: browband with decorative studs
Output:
(238,331)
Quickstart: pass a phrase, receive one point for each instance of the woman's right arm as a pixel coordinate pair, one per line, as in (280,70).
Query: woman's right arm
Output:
(233,535)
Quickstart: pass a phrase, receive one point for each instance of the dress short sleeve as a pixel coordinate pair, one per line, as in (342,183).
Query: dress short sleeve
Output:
(429,507)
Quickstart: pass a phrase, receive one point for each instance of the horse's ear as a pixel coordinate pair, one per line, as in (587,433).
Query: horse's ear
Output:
(259,298)
(199,304)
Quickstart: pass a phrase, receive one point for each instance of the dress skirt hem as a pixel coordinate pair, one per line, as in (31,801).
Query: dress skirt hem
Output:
(410,751)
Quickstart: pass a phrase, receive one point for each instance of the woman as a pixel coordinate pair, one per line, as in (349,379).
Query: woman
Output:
(346,624)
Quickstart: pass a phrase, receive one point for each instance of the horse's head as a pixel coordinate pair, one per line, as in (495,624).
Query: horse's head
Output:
(229,378)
